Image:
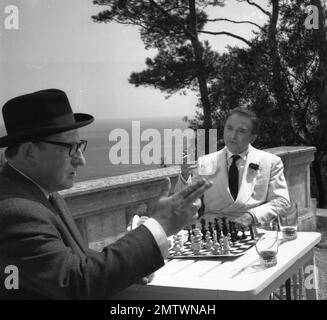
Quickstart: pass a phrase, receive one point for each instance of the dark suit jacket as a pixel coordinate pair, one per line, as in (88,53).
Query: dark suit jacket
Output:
(52,260)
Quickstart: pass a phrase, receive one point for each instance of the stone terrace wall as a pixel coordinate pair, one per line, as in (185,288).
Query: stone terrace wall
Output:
(103,207)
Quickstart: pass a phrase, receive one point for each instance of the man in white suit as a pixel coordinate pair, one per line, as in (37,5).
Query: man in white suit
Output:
(248,184)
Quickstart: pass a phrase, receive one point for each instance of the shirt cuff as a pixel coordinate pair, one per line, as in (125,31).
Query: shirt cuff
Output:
(159,235)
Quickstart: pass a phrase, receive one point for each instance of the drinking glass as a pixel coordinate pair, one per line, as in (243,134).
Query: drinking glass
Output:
(288,222)
(266,243)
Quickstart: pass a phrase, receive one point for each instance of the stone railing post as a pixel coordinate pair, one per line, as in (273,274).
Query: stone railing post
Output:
(297,161)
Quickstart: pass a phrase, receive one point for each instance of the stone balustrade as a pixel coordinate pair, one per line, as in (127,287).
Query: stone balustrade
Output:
(297,162)
(103,207)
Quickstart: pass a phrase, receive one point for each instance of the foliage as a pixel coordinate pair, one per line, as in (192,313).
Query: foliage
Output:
(182,62)
(174,69)
(245,78)
(281,75)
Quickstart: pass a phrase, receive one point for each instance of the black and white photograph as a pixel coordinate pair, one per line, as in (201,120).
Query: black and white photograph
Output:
(161,150)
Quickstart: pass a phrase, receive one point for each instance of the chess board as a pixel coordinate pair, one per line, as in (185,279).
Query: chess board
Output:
(237,248)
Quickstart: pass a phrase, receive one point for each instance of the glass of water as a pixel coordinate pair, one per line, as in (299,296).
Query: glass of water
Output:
(266,243)
(288,222)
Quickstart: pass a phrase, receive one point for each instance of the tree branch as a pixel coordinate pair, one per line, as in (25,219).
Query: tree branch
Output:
(175,21)
(295,77)
(233,21)
(228,34)
(290,87)
(259,7)
(304,127)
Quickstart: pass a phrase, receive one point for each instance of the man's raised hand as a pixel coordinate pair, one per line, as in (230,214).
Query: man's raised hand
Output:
(180,209)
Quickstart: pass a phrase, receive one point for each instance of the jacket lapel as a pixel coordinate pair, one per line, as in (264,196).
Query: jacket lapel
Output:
(61,208)
(248,179)
(222,177)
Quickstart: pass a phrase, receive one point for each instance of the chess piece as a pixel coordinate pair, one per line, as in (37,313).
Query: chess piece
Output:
(221,245)
(196,241)
(214,237)
(215,249)
(189,232)
(226,244)
(232,231)
(177,248)
(230,227)
(224,226)
(203,229)
(236,230)
(193,227)
(216,226)
(244,236)
(209,241)
(229,237)
(210,228)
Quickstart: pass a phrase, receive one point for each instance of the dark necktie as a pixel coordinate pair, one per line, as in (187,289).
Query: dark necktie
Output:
(233,177)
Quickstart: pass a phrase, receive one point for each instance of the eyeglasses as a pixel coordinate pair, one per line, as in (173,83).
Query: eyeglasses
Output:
(73,147)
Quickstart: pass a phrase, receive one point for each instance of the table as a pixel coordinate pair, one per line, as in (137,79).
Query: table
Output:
(241,278)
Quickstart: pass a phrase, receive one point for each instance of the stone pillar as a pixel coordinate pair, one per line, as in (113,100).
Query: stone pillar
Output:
(297,162)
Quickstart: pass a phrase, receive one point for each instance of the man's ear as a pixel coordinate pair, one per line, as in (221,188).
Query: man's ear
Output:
(27,151)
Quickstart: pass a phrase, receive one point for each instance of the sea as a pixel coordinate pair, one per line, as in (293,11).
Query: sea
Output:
(100,149)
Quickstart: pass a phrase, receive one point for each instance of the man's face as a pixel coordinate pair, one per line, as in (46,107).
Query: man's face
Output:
(54,169)
(238,133)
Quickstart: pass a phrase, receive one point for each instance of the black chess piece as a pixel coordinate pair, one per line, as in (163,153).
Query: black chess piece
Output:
(236,230)
(233,236)
(232,232)
(189,235)
(224,226)
(193,227)
(244,236)
(216,226)
(210,229)
(203,229)
(230,227)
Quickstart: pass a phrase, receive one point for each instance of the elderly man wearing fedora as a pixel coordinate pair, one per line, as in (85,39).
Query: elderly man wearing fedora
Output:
(37,232)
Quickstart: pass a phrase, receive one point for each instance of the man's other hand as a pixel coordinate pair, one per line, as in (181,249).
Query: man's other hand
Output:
(180,209)
(245,220)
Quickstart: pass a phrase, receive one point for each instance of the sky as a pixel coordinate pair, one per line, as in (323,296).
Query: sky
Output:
(58,45)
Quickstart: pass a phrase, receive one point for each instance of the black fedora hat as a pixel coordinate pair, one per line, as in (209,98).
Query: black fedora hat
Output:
(39,114)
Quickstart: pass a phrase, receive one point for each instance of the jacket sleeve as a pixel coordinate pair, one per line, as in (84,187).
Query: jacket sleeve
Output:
(277,195)
(47,266)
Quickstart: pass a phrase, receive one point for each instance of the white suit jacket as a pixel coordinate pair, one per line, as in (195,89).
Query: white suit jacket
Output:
(260,190)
